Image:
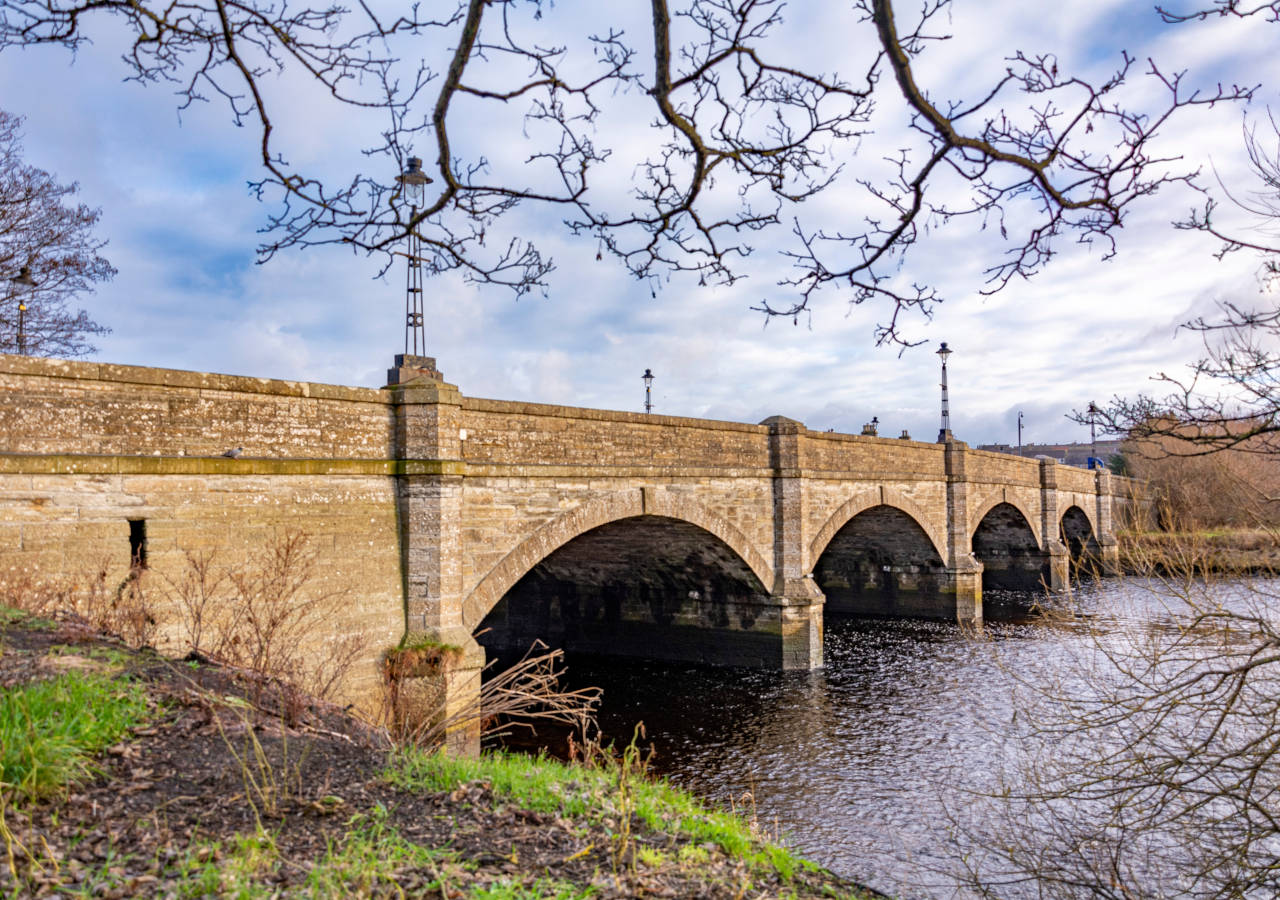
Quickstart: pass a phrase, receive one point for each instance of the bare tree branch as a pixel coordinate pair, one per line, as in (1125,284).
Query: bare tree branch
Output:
(742,136)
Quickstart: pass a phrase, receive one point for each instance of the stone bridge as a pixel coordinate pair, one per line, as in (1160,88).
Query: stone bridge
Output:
(446,516)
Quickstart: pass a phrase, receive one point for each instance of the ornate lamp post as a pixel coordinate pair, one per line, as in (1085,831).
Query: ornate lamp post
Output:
(1093,433)
(648,386)
(414,182)
(944,433)
(1019,432)
(21,284)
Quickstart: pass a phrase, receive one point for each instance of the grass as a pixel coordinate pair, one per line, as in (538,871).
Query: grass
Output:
(542,889)
(10,615)
(370,855)
(371,859)
(50,730)
(597,795)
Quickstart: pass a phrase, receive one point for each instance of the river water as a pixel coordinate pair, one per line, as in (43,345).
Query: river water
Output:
(862,766)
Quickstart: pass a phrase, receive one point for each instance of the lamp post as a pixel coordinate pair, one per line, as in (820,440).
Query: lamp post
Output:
(1093,432)
(1019,432)
(648,386)
(20,284)
(414,182)
(944,433)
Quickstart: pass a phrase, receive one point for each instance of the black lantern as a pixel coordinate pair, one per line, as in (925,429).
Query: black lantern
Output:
(414,182)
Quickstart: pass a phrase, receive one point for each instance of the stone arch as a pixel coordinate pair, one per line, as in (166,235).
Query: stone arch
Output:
(592,514)
(1080,543)
(1087,508)
(1006,544)
(994,499)
(882,562)
(885,496)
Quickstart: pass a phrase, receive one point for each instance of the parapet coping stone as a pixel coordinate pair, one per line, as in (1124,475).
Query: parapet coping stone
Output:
(78,370)
(551,410)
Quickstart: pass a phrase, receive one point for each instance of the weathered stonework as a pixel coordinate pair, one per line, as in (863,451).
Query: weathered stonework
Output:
(432,507)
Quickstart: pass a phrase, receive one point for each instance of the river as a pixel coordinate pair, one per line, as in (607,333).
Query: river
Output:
(863,765)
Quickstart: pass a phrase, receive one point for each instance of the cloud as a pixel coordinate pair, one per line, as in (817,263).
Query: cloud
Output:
(183,228)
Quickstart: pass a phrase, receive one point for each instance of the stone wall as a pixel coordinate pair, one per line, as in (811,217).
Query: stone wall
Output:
(85,449)
(523,434)
(57,406)
(426,507)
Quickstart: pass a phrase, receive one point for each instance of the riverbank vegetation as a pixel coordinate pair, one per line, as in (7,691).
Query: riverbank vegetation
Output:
(125,773)
(1211,512)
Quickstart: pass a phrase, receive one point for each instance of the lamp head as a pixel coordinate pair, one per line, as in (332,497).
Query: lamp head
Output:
(648,377)
(414,181)
(943,352)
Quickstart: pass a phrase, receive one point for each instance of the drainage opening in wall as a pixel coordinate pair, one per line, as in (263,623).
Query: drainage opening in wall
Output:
(138,543)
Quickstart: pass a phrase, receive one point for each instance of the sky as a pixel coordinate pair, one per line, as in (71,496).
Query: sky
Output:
(189,294)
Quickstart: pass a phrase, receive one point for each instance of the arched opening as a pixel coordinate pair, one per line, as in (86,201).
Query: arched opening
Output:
(882,563)
(1077,534)
(644,586)
(1007,548)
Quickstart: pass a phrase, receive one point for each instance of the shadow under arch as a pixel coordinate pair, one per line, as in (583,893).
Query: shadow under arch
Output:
(996,498)
(627,578)
(882,562)
(885,496)
(1081,540)
(592,514)
(1005,542)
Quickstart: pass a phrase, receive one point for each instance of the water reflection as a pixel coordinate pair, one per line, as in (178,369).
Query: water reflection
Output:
(860,764)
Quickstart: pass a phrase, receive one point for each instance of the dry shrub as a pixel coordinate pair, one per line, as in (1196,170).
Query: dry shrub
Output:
(268,614)
(527,693)
(93,595)
(1235,487)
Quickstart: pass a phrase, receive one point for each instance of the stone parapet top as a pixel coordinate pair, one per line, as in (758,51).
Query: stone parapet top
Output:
(180,378)
(521,408)
(884,440)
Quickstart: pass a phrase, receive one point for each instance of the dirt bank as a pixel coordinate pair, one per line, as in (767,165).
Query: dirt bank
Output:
(217,790)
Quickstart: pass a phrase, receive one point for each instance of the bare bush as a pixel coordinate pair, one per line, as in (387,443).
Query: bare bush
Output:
(268,613)
(528,692)
(1150,766)
(1232,487)
(92,595)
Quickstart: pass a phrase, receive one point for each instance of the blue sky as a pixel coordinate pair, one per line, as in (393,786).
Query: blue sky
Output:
(183,230)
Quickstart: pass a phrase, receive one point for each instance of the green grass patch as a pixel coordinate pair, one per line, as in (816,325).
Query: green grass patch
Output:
(370,856)
(547,785)
(50,730)
(542,889)
(369,859)
(535,783)
(10,615)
